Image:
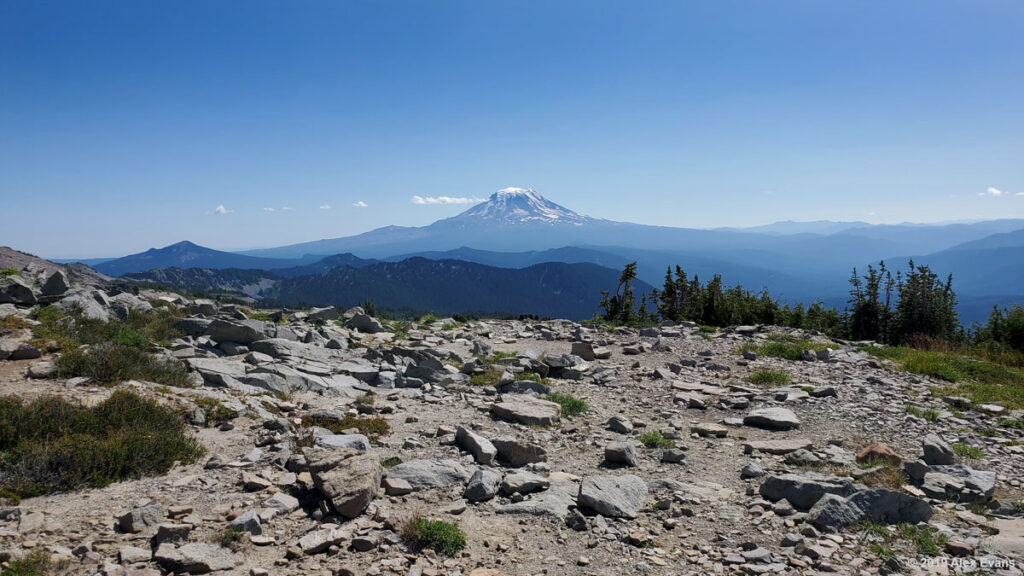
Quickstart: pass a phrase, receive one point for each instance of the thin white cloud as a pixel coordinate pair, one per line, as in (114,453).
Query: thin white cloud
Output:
(268,209)
(994,191)
(325,207)
(286,208)
(1019,194)
(360,204)
(443,200)
(220,210)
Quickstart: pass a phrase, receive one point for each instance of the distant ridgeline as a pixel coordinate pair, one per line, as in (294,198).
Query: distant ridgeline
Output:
(900,309)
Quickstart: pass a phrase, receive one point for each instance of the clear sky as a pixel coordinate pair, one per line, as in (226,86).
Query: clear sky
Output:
(135,124)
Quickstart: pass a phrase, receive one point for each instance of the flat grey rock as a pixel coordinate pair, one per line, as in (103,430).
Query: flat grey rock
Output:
(613,496)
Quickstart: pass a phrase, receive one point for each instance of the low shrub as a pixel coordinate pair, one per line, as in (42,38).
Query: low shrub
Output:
(887,476)
(9,271)
(51,445)
(8,323)
(571,405)
(767,377)
(216,412)
(230,537)
(485,378)
(110,363)
(654,439)
(983,380)
(783,346)
(968,451)
(531,376)
(372,428)
(445,538)
(929,414)
(35,563)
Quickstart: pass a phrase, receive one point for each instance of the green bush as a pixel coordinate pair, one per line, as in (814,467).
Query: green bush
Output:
(654,439)
(531,376)
(112,363)
(768,377)
(230,537)
(927,540)
(983,380)
(445,538)
(929,414)
(35,563)
(485,378)
(8,271)
(51,445)
(571,405)
(968,451)
(8,323)
(373,428)
(783,346)
(71,329)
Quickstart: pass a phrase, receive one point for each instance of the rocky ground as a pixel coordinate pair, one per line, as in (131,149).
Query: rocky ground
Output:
(760,479)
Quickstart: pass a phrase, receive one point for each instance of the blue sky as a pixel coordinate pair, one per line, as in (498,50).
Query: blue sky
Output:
(125,125)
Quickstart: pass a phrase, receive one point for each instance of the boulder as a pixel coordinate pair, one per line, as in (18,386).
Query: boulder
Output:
(248,522)
(516,453)
(621,454)
(141,517)
(937,451)
(124,303)
(421,474)
(527,410)
(133,555)
(365,323)
(14,290)
(481,448)
(834,512)
(397,487)
(323,314)
(555,502)
(584,350)
(620,424)
(523,483)
(240,331)
(282,503)
(352,441)
(483,485)
(57,284)
(772,419)
(26,352)
(962,482)
(92,303)
(613,496)
(804,490)
(194,326)
(349,483)
(319,541)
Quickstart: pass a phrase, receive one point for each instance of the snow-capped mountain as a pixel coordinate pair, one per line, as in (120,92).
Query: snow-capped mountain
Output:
(511,206)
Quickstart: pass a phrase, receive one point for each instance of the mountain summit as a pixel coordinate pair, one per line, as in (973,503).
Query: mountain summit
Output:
(510,206)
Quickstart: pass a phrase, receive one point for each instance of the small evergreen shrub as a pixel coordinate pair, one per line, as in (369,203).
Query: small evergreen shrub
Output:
(571,405)
(654,439)
(445,538)
(769,377)
(51,445)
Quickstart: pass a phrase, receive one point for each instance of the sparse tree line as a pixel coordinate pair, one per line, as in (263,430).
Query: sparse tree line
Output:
(899,308)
